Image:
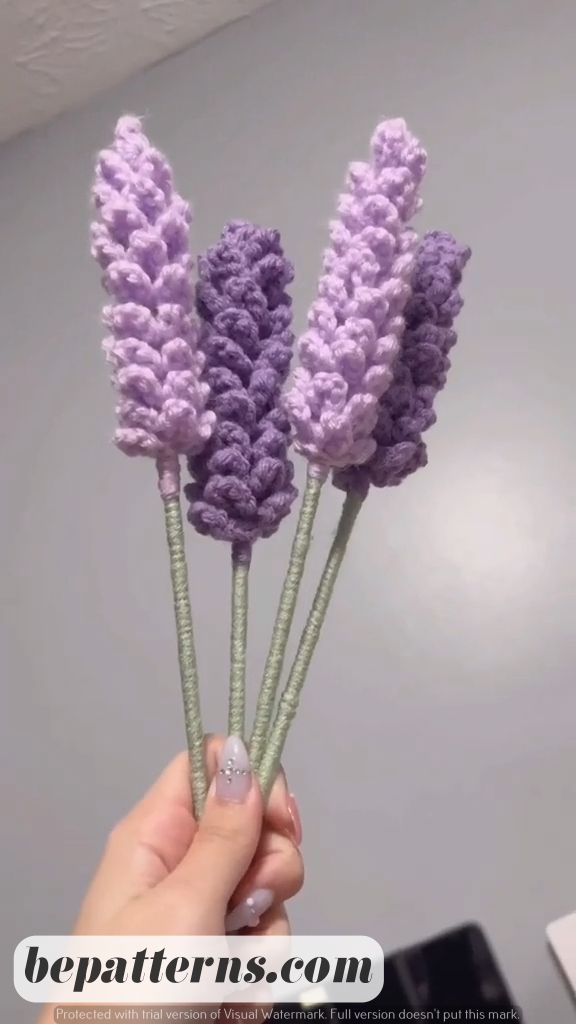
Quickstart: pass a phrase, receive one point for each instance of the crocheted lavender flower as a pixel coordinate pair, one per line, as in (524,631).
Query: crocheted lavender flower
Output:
(243,478)
(141,243)
(406,409)
(356,320)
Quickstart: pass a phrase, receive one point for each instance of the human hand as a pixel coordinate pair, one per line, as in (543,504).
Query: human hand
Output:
(163,873)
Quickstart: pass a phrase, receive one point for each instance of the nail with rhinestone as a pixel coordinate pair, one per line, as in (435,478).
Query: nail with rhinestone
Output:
(234,777)
(248,913)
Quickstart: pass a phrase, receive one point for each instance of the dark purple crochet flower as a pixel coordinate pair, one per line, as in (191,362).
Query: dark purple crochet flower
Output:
(420,370)
(243,477)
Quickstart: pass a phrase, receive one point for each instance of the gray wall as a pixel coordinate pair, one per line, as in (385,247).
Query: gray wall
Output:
(434,758)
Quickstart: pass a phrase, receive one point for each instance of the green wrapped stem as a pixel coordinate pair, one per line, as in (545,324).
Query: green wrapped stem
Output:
(285,614)
(186,651)
(288,704)
(238,634)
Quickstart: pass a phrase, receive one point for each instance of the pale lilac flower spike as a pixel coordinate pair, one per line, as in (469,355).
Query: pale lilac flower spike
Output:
(346,355)
(141,243)
(355,323)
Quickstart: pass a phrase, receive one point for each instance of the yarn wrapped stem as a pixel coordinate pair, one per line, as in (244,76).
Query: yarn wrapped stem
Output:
(169,486)
(288,705)
(285,614)
(241,554)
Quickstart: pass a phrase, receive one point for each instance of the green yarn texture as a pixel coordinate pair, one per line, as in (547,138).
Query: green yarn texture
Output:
(288,705)
(238,641)
(186,651)
(284,617)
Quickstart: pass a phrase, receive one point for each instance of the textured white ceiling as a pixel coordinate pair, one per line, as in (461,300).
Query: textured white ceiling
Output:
(57,53)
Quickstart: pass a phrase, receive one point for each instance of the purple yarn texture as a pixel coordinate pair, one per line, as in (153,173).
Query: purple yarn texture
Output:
(356,320)
(242,485)
(420,371)
(141,243)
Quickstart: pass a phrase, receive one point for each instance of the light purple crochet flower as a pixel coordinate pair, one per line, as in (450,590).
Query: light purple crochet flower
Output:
(243,477)
(357,318)
(141,243)
(406,410)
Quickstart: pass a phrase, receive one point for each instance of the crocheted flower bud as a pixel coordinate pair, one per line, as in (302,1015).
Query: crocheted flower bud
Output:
(243,478)
(355,323)
(406,409)
(141,243)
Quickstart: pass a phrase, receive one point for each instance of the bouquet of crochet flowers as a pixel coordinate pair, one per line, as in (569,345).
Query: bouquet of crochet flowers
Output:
(200,363)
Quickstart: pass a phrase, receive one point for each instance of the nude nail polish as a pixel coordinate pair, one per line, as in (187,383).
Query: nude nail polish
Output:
(295,819)
(248,913)
(234,775)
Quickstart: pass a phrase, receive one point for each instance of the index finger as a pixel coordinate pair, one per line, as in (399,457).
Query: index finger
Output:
(173,785)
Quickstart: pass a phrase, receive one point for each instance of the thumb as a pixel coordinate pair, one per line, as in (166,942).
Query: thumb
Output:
(229,829)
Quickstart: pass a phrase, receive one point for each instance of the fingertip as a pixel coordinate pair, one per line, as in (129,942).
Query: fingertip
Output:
(212,746)
(277,810)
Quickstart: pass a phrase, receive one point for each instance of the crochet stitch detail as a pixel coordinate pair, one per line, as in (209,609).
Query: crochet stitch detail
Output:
(355,323)
(420,371)
(141,243)
(242,485)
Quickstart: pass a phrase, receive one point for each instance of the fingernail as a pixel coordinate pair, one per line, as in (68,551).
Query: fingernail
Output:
(295,818)
(248,913)
(234,777)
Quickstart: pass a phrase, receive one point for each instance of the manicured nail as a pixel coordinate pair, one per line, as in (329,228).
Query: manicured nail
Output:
(248,913)
(295,818)
(234,777)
